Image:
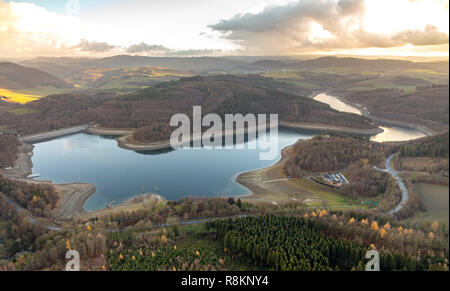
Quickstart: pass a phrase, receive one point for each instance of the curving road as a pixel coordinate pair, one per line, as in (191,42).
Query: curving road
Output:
(31,219)
(400,183)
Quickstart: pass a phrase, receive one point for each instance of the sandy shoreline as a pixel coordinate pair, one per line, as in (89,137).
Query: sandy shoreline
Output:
(72,195)
(270,185)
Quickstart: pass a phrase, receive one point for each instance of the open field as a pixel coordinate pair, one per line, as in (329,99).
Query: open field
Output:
(22,111)
(289,191)
(17,97)
(323,195)
(23,96)
(436,201)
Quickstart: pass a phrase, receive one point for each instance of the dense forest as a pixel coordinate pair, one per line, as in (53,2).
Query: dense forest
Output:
(16,232)
(287,238)
(365,181)
(432,147)
(298,244)
(317,240)
(8,150)
(333,152)
(40,199)
(427,105)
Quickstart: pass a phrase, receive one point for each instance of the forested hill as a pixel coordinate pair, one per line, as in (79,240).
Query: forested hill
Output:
(427,105)
(332,153)
(153,107)
(434,146)
(13,76)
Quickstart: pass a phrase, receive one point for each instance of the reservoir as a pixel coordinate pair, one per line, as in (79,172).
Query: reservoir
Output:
(120,174)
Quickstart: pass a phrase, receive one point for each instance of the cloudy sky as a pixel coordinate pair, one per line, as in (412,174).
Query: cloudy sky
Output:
(222,27)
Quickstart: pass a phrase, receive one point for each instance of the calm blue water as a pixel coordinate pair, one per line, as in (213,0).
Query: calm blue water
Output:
(121,174)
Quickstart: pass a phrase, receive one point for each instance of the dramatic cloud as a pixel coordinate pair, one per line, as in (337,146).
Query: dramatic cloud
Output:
(93,46)
(143,47)
(27,28)
(316,26)
(309,25)
(191,52)
(164,51)
(429,36)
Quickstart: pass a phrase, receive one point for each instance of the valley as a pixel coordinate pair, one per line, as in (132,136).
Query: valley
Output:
(100,156)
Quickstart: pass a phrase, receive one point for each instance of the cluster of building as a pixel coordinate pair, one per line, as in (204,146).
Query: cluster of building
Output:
(335,180)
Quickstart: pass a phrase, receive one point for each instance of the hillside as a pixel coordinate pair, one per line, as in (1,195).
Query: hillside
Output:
(13,76)
(428,105)
(332,153)
(8,150)
(433,146)
(67,67)
(152,108)
(124,78)
(353,64)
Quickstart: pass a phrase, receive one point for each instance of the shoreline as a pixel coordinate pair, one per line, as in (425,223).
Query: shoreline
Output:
(269,185)
(365,112)
(123,135)
(72,196)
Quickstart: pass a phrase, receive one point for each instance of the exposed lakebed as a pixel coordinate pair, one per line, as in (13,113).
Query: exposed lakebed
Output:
(120,174)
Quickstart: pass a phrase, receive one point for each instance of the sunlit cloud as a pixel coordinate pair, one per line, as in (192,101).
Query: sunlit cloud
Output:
(29,29)
(230,27)
(324,25)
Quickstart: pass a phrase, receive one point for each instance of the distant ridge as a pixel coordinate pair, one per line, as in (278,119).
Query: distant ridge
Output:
(67,67)
(348,62)
(14,76)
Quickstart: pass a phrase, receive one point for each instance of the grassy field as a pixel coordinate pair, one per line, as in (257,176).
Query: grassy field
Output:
(304,84)
(436,201)
(328,196)
(406,88)
(22,111)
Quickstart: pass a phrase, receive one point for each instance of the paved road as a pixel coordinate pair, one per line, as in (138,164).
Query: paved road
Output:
(401,184)
(31,219)
(53,134)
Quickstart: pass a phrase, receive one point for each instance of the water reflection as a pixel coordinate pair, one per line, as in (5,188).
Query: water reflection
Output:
(120,174)
(391,132)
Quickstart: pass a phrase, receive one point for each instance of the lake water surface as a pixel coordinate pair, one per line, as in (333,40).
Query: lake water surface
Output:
(121,174)
(391,132)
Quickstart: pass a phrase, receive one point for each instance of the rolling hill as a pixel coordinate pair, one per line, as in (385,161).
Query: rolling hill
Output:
(150,109)
(68,67)
(13,76)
